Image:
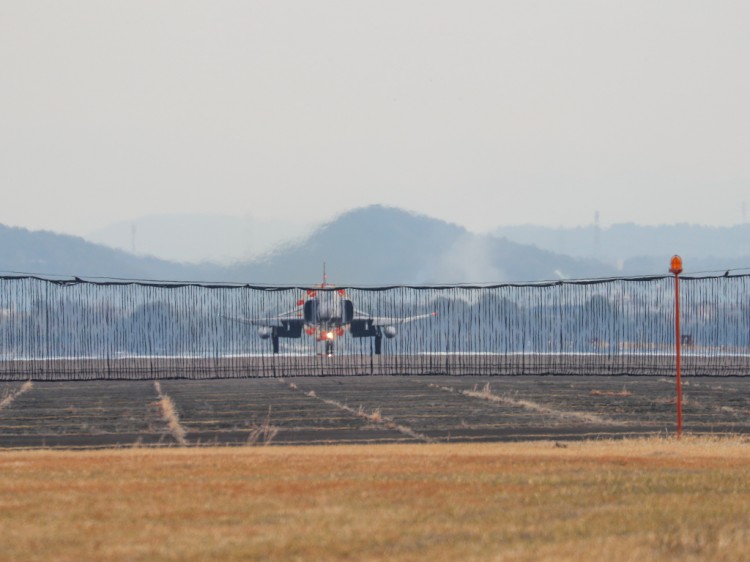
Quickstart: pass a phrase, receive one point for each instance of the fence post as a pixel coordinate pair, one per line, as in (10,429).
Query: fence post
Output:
(676,269)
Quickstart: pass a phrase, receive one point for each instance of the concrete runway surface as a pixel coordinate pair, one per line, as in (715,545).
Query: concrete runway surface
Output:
(156,367)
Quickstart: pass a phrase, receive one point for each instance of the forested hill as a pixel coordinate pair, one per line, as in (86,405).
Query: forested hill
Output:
(628,240)
(367,246)
(384,245)
(48,253)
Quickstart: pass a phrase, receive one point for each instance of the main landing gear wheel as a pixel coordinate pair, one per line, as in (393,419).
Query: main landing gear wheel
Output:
(378,344)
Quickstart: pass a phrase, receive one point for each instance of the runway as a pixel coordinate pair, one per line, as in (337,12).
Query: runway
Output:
(377,409)
(474,364)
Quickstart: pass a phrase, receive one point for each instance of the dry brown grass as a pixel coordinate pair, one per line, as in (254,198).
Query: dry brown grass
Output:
(652,499)
(624,393)
(375,416)
(486,394)
(170,415)
(263,433)
(10,395)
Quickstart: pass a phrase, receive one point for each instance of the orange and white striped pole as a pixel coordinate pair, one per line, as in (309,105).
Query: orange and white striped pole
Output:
(676,269)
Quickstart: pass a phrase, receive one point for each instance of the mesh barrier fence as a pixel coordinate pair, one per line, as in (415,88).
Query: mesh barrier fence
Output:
(75,329)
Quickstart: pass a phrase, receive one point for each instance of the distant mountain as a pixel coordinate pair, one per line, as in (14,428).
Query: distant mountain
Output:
(384,245)
(48,253)
(627,241)
(197,238)
(369,246)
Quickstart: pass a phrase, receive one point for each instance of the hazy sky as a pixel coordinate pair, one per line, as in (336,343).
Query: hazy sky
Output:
(481,113)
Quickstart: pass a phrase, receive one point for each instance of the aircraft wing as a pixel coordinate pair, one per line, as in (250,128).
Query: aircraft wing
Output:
(271,320)
(282,321)
(364,325)
(395,321)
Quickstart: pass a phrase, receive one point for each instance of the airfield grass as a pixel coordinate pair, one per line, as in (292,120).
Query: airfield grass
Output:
(651,499)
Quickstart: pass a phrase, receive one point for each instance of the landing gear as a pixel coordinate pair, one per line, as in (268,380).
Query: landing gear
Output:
(275,343)
(378,343)
(329,348)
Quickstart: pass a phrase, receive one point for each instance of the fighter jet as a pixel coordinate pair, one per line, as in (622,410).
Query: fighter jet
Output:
(326,314)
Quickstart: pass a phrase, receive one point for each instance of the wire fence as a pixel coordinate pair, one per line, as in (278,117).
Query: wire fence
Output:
(52,329)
